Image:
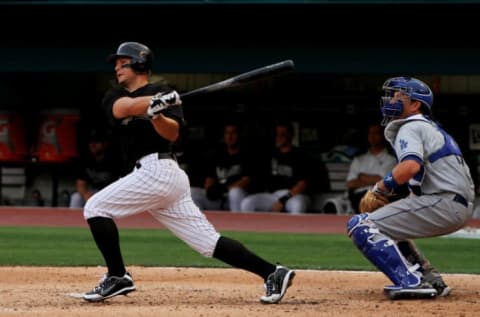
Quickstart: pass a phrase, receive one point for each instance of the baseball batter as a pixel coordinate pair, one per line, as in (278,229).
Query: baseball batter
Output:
(441,198)
(147,118)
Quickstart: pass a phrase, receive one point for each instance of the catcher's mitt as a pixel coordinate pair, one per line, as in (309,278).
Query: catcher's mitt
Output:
(371,201)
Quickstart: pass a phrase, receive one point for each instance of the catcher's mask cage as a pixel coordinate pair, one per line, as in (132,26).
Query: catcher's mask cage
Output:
(141,55)
(410,87)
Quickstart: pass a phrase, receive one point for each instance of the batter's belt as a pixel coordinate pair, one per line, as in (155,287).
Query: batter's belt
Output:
(161,156)
(166,155)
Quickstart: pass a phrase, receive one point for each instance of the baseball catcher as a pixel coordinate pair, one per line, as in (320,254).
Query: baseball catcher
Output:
(441,195)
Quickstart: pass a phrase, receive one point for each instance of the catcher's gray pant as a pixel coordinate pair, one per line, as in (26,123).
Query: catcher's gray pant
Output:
(162,188)
(422,216)
(264,201)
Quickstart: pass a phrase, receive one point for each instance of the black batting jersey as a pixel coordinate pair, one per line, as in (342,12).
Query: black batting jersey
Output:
(136,135)
(228,168)
(287,169)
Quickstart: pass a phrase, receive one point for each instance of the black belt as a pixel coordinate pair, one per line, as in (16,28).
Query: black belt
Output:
(161,156)
(461,200)
(166,155)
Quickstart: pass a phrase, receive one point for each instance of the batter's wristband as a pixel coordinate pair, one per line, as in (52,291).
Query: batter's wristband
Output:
(389,182)
(284,198)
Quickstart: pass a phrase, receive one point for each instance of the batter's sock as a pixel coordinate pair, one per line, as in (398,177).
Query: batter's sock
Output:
(105,234)
(234,253)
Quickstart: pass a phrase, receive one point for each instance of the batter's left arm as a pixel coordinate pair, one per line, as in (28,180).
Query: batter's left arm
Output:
(167,127)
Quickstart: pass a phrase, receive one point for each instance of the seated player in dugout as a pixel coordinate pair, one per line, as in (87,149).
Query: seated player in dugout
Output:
(228,174)
(440,200)
(285,175)
(368,168)
(97,167)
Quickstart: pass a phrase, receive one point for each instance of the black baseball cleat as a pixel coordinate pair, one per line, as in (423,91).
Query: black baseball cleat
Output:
(436,280)
(277,284)
(110,286)
(442,288)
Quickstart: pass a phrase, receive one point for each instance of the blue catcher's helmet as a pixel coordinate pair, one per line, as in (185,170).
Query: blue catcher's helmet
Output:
(411,87)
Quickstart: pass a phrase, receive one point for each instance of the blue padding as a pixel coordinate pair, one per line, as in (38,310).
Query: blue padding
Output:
(384,254)
(389,182)
(355,220)
(412,157)
(450,147)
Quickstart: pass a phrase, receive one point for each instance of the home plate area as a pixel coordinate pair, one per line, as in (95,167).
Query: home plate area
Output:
(161,291)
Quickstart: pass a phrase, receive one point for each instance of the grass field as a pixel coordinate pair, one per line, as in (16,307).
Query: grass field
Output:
(25,246)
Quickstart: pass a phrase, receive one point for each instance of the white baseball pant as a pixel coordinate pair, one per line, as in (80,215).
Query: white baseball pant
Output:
(162,188)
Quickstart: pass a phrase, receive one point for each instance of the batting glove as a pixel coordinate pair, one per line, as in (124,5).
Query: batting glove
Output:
(162,101)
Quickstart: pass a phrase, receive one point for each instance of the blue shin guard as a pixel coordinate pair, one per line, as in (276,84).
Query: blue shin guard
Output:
(382,252)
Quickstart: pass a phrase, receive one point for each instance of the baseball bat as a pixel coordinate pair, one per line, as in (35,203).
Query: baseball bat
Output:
(243,78)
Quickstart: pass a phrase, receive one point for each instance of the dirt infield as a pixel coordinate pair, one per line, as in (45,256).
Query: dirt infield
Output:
(43,291)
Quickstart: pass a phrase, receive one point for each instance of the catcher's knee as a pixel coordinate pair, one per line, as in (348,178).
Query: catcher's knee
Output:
(355,221)
(361,230)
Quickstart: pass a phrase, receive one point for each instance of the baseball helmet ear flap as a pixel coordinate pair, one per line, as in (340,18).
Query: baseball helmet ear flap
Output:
(141,55)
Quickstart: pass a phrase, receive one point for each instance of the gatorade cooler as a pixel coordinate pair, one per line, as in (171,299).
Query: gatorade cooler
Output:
(13,145)
(57,135)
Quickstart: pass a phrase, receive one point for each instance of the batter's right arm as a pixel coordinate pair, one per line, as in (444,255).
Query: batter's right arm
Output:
(130,107)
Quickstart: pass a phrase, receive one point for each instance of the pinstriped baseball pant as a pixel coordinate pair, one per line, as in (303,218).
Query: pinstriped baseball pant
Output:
(161,188)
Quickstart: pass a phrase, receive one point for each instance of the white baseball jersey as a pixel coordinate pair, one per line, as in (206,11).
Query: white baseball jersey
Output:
(373,164)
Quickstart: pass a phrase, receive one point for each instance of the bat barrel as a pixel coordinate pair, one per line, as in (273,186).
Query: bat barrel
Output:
(244,78)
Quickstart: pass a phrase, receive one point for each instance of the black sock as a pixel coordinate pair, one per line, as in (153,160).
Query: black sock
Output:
(234,253)
(105,234)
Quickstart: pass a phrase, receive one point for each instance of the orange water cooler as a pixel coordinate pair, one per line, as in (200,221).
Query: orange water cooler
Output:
(57,135)
(13,145)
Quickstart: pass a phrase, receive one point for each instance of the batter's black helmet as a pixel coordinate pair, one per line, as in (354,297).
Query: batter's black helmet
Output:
(141,55)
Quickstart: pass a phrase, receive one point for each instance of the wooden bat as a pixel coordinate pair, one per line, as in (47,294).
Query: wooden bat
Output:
(244,78)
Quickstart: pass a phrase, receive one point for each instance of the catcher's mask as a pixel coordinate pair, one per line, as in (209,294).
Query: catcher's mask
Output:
(410,88)
(141,55)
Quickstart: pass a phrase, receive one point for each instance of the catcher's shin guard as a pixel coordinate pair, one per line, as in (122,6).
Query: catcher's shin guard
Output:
(382,252)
